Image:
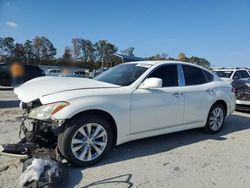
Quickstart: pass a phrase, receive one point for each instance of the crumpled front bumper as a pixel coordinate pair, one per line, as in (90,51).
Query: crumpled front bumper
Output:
(19,150)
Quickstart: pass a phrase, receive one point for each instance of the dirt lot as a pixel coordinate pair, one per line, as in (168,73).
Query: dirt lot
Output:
(186,159)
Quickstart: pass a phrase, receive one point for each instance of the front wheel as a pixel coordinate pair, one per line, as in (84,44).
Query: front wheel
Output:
(215,119)
(86,140)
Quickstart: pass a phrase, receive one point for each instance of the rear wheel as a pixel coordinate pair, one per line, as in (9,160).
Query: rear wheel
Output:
(86,140)
(215,119)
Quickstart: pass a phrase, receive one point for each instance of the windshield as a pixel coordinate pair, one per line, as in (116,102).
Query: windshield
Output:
(123,74)
(224,74)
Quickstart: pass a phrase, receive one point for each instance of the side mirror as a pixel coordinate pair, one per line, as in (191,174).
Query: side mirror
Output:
(151,83)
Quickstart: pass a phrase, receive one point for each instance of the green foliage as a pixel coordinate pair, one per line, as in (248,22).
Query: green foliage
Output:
(7,46)
(104,49)
(200,61)
(162,56)
(129,51)
(82,53)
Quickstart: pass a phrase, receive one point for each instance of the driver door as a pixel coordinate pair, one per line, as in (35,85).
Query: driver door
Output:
(158,108)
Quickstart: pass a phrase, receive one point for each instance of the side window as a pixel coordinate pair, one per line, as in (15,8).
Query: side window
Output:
(236,75)
(168,74)
(243,74)
(209,76)
(193,75)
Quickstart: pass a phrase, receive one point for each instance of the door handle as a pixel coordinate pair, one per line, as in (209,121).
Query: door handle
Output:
(178,94)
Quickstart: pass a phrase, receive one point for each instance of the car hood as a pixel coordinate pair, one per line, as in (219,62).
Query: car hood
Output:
(43,86)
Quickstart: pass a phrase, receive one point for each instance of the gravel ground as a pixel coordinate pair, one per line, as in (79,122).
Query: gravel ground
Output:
(186,159)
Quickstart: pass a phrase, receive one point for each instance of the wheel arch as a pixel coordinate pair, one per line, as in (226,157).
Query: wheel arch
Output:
(223,103)
(104,114)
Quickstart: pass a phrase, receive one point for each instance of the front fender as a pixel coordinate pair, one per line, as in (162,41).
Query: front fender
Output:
(118,107)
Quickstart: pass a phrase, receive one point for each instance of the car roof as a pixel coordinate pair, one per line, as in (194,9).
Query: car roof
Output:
(155,62)
(229,69)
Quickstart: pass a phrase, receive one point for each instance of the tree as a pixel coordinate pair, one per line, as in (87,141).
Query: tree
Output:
(200,61)
(129,51)
(29,51)
(162,56)
(1,46)
(37,42)
(104,49)
(83,49)
(182,57)
(48,49)
(76,47)
(19,51)
(7,46)
(43,49)
(67,56)
(89,50)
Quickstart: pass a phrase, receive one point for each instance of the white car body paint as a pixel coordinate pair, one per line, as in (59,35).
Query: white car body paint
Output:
(138,113)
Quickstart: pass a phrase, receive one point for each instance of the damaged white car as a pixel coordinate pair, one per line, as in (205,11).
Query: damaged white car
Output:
(84,118)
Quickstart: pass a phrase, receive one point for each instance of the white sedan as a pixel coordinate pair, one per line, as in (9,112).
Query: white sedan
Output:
(127,102)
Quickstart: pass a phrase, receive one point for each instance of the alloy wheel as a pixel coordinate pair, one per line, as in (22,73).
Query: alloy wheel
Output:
(89,142)
(216,119)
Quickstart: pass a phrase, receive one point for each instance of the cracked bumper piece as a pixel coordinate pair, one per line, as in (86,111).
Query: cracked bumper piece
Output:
(19,150)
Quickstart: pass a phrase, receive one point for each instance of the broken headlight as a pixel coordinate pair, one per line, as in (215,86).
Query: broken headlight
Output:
(46,111)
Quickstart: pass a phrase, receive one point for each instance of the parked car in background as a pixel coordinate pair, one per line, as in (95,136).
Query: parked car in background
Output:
(230,74)
(53,72)
(99,71)
(242,92)
(79,74)
(30,72)
(5,77)
(127,102)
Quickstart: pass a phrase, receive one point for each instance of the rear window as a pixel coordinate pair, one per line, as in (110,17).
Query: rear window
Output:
(194,75)
(243,74)
(209,76)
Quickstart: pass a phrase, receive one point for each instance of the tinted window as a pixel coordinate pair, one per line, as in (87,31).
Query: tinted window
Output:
(55,71)
(168,74)
(243,74)
(209,76)
(236,75)
(224,74)
(193,75)
(30,68)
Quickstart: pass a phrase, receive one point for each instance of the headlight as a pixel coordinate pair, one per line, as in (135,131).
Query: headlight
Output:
(46,111)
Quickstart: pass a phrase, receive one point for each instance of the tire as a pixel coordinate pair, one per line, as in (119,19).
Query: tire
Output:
(78,143)
(215,120)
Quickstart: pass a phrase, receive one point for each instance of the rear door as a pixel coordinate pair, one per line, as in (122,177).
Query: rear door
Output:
(198,93)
